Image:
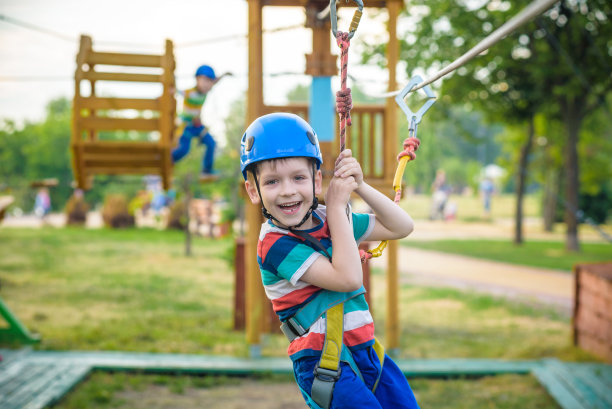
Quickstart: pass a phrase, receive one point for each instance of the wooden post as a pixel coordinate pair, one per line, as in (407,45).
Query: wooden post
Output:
(254,292)
(167,108)
(392,330)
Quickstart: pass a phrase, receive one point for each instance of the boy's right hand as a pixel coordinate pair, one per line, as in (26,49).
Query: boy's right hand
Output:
(339,191)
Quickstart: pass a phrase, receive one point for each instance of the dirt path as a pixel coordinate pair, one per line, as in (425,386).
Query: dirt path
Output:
(550,287)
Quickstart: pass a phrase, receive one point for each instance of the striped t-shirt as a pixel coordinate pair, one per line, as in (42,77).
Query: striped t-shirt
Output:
(192,103)
(284,257)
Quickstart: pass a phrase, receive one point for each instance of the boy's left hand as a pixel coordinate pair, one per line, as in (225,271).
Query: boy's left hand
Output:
(347,165)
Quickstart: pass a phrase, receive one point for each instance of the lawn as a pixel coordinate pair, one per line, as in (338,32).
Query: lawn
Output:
(134,290)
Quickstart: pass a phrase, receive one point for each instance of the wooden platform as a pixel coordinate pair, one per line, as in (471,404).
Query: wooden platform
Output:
(36,379)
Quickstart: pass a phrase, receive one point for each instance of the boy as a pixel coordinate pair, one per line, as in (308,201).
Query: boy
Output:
(280,161)
(193,100)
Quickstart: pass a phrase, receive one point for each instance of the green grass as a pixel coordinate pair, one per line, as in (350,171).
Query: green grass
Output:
(545,254)
(469,207)
(134,290)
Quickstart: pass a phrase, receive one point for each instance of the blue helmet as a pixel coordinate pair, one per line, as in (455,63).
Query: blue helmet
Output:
(207,71)
(278,135)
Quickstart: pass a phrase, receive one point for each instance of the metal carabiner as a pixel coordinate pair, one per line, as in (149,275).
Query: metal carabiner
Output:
(415,118)
(354,22)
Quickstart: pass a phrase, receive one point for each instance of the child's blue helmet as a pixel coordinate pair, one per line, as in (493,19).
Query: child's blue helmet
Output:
(278,135)
(207,71)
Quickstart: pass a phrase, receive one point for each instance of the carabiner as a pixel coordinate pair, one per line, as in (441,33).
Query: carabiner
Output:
(415,118)
(354,22)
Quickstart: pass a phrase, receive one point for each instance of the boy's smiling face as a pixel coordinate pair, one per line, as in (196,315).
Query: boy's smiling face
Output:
(286,189)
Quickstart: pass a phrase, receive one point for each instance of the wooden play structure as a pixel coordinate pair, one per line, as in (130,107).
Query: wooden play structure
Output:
(373,139)
(592,323)
(94,114)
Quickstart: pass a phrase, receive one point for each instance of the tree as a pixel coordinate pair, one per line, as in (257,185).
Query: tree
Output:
(514,81)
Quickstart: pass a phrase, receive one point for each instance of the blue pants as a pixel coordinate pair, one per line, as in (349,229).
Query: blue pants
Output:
(350,392)
(184,145)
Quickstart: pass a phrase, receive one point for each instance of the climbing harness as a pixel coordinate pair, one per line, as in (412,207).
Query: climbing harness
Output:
(411,144)
(328,370)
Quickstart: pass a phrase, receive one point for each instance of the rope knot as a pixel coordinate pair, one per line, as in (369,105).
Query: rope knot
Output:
(411,144)
(342,39)
(365,255)
(344,101)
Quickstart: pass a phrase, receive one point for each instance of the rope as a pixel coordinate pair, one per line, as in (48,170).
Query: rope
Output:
(527,14)
(344,42)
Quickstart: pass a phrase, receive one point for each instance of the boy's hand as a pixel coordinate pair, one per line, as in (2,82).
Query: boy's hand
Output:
(347,166)
(339,191)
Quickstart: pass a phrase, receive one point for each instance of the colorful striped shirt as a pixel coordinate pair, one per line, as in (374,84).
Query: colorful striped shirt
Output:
(284,257)
(192,104)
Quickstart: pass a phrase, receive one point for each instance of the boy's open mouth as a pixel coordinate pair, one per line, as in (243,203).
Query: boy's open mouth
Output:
(290,208)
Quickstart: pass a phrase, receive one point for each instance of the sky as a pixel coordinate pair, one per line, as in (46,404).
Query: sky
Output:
(37,64)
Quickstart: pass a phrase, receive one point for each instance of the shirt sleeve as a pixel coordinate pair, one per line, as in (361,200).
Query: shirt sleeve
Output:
(289,258)
(363,224)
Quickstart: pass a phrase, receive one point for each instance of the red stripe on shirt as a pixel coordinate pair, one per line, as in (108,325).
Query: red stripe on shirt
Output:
(294,298)
(311,341)
(359,335)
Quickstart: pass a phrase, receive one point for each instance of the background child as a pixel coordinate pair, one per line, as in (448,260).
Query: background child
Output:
(280,161)
(193,100)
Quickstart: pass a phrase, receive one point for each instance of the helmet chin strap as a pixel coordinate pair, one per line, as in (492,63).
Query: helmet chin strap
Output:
(313,206)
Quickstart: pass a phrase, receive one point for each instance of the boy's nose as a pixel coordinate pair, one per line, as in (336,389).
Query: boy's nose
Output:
(287,188)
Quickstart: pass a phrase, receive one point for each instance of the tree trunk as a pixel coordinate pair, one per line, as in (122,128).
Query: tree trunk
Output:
(550,201)
(520,183)
(573,121)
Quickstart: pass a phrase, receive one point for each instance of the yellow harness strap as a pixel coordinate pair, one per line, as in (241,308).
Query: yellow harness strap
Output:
(330,357)
(328,370)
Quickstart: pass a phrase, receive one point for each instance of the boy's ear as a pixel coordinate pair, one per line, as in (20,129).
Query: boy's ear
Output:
(252,192)
(318,181)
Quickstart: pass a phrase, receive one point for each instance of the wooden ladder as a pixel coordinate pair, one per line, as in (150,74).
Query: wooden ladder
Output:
(92,114)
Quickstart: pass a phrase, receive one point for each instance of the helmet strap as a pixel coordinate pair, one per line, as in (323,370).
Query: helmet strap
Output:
(313,206)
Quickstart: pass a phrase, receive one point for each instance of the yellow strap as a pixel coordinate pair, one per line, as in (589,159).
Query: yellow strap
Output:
(330,357)
(397,185)
(399,172)
(380,351)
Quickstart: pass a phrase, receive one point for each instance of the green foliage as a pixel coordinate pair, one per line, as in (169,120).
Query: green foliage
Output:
(37,151)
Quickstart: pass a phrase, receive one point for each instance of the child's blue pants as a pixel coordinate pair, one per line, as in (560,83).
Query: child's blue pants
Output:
(350,392)
(184,145)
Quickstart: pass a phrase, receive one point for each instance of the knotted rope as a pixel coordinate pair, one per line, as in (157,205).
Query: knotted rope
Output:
(343,41)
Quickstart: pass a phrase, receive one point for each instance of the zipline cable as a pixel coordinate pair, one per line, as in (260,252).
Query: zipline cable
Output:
(527,14)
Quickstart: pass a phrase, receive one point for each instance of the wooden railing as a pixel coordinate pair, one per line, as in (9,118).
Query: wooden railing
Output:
(366,138)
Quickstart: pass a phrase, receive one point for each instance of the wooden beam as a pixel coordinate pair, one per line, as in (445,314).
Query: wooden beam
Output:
(254,299)
(392,330)
(137,60)
(120,76)
(116,103)
(320,3)
(153,169)
(110,124)
(118,147)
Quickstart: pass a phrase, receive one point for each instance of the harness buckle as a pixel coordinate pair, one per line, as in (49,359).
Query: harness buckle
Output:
(327,375)
(292,329)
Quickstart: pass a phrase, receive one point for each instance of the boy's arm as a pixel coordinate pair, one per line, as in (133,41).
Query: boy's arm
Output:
(343,273)
(392,222)
(225,74)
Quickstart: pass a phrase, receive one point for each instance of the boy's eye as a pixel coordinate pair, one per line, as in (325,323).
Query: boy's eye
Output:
(269,181)
(300,177)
